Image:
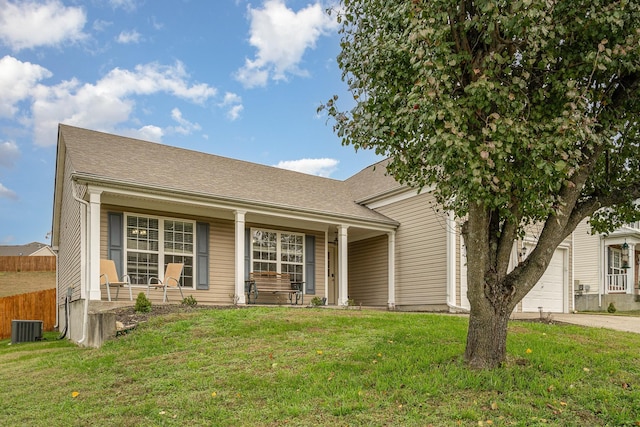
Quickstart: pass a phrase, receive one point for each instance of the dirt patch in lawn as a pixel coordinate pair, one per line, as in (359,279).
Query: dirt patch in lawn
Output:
(12,283)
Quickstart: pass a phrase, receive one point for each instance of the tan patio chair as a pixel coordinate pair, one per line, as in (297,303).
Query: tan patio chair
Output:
(109,278)
(171,280)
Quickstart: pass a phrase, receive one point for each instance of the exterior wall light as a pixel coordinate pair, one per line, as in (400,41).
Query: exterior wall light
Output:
(625,256)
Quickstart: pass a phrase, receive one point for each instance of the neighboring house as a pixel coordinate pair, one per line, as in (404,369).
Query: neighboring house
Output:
(30,249)
(607,268)
(366,240)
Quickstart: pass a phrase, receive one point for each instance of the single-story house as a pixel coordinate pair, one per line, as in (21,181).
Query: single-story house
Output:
(366,240)
(30,249)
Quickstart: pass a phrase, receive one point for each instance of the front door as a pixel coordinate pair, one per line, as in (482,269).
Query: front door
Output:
(332,280)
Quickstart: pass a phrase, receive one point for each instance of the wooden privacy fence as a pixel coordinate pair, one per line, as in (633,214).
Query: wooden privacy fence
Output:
(32,306)
(27,263)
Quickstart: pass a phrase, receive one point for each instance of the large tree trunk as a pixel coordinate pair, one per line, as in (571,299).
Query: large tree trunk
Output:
(487,338)
(493,289)
(491,293)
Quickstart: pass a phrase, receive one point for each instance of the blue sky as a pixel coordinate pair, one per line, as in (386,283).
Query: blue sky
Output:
(235,78)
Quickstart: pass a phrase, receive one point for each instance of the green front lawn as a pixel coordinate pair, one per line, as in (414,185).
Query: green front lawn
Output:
(280,366)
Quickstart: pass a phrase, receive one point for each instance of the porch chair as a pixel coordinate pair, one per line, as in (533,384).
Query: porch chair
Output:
(171,280)
(109,278)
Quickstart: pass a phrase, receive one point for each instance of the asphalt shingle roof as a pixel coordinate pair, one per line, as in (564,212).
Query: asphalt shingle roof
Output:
(21,250)
(136,162)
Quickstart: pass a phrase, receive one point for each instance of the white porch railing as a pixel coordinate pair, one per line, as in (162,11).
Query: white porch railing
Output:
(617,282)
(635,225)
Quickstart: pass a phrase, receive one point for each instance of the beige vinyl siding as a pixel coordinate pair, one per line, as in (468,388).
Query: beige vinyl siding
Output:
(421,255)
(587,258)
(368,271)
(69,270)
(221,263)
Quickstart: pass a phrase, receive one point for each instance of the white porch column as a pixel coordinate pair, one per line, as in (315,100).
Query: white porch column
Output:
(94,245)
(343,277)
(392,270)
(631,271)
(326,265)
(239,257)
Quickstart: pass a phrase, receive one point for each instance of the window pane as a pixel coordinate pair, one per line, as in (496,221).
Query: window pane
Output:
(186,280)
(142,233)
(141,266)
(264,250)
(294,270)
(177,232)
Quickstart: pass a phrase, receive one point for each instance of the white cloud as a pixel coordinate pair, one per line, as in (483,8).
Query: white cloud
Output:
(110,101)
(17,83)
(9,153)
(101,25)
(234,104)
(28,24)
(128,5)
(281,37)
(321,167)
(128,37)
(186,127)
(234,112)
(146,133)
(231,98)
(7,194)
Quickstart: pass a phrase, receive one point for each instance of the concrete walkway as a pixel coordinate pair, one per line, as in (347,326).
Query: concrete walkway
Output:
(619,323)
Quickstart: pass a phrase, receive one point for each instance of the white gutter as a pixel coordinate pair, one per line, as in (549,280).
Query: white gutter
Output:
(87,282)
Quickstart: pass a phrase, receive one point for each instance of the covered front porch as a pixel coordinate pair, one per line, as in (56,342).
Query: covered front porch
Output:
(315,249)
(622,261)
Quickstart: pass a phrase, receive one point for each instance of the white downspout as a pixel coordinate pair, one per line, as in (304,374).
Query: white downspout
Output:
(87,282)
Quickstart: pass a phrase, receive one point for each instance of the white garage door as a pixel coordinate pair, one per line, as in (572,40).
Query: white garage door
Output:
(548,293)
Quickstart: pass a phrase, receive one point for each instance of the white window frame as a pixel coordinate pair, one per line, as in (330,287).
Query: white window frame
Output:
(161,250)
(616,262)
(278,260)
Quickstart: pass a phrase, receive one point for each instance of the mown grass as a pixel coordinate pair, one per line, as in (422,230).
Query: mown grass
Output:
(279,366)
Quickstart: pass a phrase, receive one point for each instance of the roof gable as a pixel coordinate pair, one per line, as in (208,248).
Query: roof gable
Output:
(23,250)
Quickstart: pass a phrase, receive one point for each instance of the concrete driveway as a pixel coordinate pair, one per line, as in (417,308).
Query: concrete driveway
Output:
(619,323)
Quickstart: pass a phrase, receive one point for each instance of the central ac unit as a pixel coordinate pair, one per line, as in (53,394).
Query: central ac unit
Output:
(26,331)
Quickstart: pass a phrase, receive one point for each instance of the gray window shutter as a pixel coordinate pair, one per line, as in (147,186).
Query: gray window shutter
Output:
(247,253)
(310,264)
(115,248)
(202,254)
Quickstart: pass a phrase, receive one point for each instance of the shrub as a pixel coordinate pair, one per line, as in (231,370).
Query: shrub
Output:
(611,308)
(143,305)
(317,302)
(189,301)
